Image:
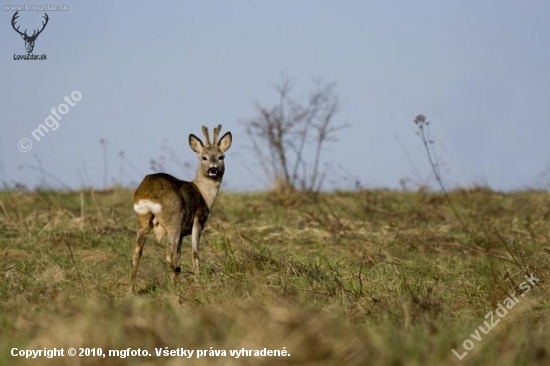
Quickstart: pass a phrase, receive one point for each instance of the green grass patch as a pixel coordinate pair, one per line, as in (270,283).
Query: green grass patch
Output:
(355,278)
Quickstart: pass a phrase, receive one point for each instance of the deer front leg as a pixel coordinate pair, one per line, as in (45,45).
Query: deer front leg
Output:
(195,241)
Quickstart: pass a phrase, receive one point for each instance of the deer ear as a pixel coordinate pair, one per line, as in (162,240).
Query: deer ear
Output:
(196,144)
(225,142)
(23,36)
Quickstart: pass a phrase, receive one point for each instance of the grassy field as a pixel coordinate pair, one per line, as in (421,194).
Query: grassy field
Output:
(360,278)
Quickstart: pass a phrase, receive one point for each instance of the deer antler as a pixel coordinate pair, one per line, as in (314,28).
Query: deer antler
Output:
(43,26)
(34,34)
(206,137)
(216,134)
(13,19)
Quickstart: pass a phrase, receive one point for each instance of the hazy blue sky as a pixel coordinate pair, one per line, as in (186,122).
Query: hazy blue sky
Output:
(150,73)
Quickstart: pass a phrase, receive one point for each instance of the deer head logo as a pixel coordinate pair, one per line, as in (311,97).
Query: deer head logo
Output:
(29,40)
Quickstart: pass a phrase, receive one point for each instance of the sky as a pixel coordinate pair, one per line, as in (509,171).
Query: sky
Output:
(150,73)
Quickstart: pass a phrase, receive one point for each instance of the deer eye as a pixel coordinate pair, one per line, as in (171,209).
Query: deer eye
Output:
(221,157)
(204,158)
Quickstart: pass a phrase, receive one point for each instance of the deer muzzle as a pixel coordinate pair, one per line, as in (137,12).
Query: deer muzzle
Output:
(213,171)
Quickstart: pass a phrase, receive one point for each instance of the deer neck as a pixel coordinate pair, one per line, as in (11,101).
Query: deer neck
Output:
(208,188)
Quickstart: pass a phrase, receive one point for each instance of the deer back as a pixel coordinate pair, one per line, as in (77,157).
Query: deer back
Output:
(167,198)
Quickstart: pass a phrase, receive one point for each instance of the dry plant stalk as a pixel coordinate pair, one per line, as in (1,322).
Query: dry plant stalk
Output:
(288,137)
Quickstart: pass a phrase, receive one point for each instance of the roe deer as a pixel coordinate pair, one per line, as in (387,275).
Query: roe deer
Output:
(179,208)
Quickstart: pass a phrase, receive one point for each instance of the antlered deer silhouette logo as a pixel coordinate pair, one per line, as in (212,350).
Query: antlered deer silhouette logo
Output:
(29,40)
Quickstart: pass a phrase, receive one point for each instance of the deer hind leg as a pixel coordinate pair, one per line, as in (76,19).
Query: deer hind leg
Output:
(144,225)
(173,250)
(173,255)
(159,230)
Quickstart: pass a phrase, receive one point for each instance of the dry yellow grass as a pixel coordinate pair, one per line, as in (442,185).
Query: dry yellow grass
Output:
(371,277)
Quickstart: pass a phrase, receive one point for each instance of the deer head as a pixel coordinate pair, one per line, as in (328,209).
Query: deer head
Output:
(29,40)
(211,154)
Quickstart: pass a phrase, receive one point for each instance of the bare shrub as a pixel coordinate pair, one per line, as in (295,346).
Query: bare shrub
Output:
(288,137)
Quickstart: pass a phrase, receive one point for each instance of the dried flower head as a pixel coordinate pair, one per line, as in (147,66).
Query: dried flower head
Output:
(420,119)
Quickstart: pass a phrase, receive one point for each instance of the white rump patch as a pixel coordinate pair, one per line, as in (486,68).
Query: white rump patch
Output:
(145,206)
